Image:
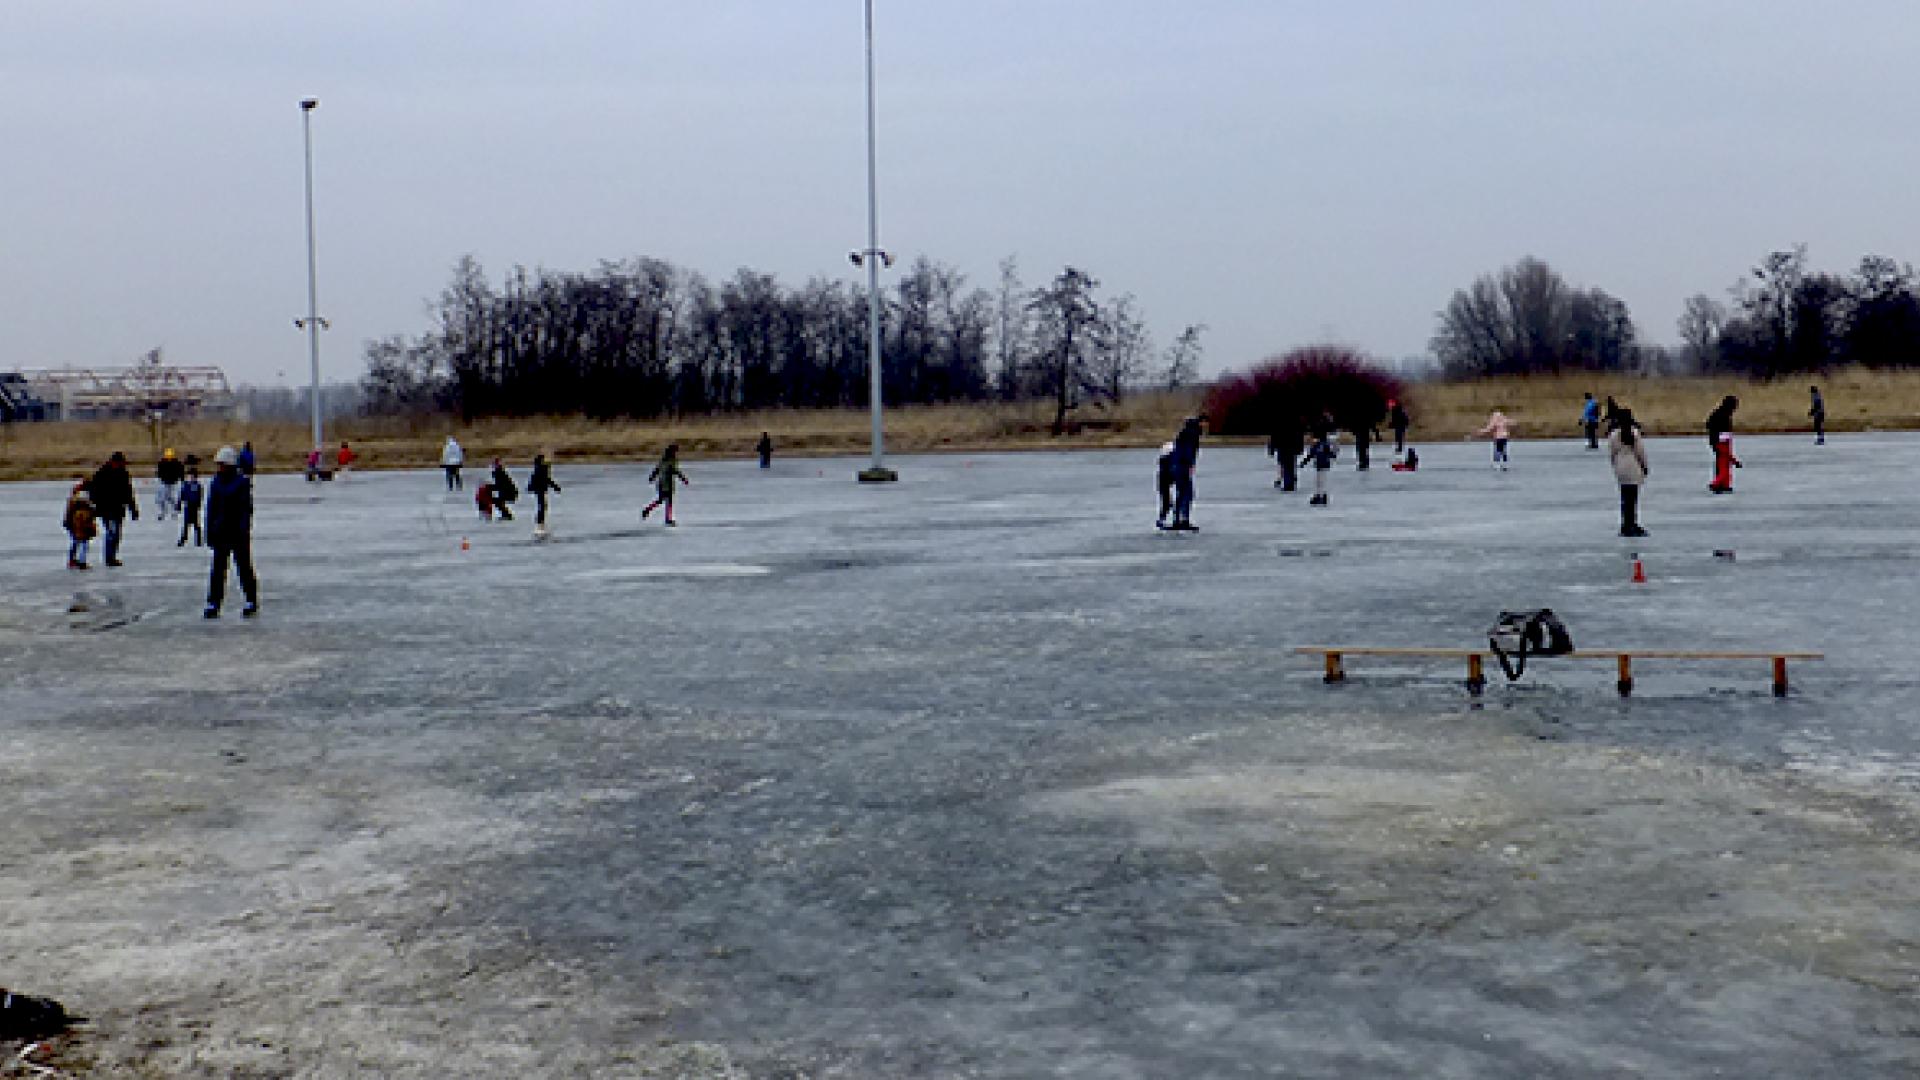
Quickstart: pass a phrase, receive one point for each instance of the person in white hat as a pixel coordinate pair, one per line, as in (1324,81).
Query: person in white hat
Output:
(230,533)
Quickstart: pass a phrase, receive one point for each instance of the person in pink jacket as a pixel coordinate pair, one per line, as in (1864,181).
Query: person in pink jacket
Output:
(1499,429)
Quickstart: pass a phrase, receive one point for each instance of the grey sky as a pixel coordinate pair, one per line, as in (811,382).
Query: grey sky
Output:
(1284,172)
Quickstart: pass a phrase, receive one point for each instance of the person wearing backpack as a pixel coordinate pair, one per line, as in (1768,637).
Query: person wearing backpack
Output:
(1628,452)
(79,523)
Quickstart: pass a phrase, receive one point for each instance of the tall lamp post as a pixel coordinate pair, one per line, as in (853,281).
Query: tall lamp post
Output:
(313,323)
(873,257)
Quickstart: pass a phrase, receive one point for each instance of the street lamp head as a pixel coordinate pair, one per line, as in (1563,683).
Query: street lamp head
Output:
(309,104)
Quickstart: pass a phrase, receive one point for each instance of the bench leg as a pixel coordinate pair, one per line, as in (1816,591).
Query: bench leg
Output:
(1476,675)
(1334,671)
(1779,676)
(1625,685)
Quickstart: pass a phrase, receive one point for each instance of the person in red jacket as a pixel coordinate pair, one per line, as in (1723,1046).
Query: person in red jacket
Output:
(345,459)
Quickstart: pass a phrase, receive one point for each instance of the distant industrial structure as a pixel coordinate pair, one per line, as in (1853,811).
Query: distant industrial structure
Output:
(149,390)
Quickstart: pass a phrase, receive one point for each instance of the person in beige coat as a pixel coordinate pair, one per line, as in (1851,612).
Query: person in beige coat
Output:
(1629,453)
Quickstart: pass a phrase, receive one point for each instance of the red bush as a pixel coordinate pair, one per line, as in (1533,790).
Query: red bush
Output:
(1298,387)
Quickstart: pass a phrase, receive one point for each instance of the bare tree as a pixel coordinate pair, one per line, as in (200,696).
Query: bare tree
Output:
(1121,357)
(1701,322)
(1010,341)
(1183,357)
(1067,324)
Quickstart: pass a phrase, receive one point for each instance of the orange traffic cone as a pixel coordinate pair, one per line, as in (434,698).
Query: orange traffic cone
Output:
(464,545)
(1639,571)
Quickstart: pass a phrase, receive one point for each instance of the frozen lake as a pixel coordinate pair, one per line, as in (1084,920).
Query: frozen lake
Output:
(980,775)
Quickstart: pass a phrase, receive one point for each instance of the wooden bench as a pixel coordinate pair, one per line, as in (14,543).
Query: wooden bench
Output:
(1476,660)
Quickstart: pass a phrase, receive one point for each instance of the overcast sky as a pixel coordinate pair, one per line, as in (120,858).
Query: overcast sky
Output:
(1281,171)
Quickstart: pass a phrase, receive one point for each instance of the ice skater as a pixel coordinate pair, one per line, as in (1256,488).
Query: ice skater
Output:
(1590,419)
(664,476)
(1499,429)
(344,459)
(1628,452)
(1818,414)
(1186,458)
(113,502)
(451,458)
(538,485)
(1164,482)
(1399,421)
(78,520)
(1720,437)
(169,472)
(230,533)
(191,493)
(765,449)
(505,491)
(1285,445)
(1321,456)
(1363,439)
(483,501)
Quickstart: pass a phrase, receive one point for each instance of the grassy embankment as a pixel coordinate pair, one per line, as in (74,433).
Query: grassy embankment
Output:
(1541,407)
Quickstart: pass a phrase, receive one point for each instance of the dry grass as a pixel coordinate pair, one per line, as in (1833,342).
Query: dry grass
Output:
(1541,406)
(1549,405)
(30,451)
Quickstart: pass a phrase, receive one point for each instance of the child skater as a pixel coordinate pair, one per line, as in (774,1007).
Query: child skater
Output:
(1499,429)
(78,521)
(1320,455)
(483,501)
(664,475)
(1163,479)
(191,492)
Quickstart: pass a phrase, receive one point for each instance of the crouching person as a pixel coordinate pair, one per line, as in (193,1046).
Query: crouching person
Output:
(230,533)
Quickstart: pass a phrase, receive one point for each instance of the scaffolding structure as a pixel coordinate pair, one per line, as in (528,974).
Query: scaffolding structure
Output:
(149,390)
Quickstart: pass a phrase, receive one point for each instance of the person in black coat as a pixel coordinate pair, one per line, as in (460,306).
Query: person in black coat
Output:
(1286,444)
(504,491)
(765,449)
(538,485)
(1186,457)
(113,500)
(230,533)
(1398,419)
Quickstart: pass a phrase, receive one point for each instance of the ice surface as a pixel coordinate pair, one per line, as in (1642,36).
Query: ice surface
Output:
(978,774)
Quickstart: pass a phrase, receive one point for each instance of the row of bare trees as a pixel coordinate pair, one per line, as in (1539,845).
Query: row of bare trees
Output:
(1785,318)
(1781,317)
(644,338)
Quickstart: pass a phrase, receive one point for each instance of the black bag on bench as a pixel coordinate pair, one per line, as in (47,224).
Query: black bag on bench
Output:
(1520,634)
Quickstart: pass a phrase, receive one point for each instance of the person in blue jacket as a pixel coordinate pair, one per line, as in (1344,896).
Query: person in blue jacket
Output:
(1590,419)
(230,533)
